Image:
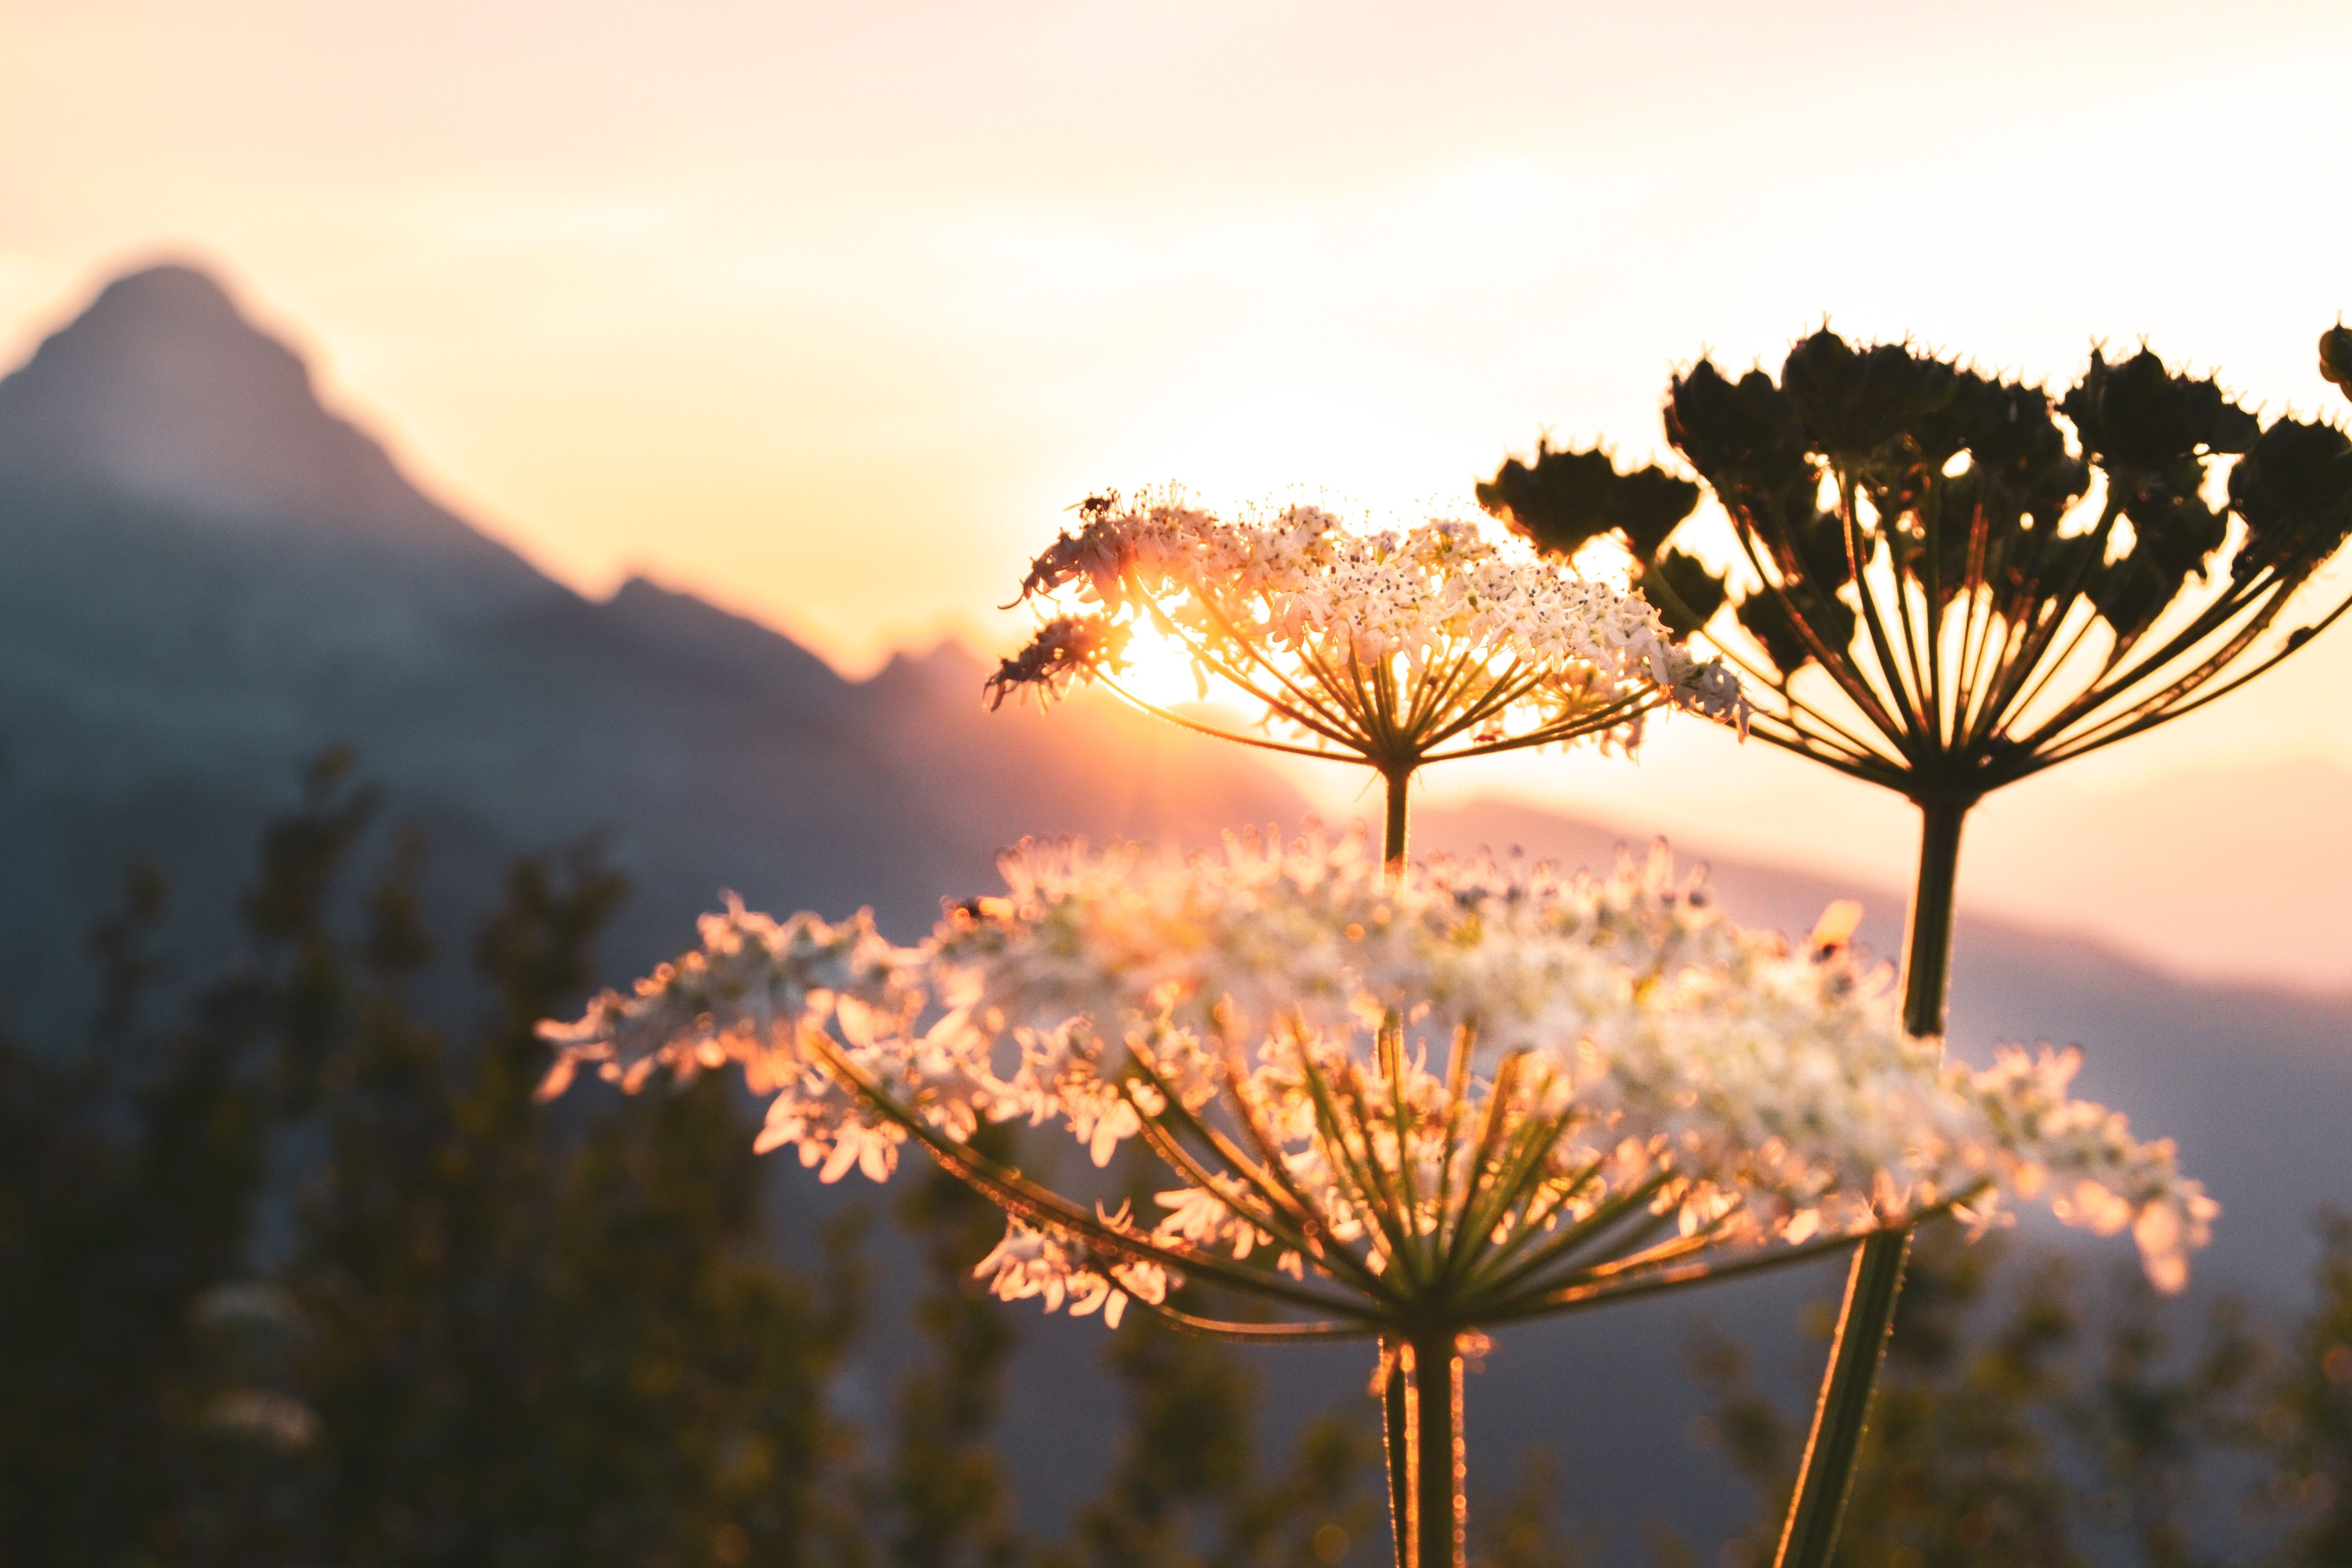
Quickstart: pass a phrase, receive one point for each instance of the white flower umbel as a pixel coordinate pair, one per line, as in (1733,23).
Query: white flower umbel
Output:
(1396,1100)
(1393,648)
(1453,1094)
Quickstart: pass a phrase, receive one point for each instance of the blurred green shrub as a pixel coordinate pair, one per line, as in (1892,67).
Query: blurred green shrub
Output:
(302,1274)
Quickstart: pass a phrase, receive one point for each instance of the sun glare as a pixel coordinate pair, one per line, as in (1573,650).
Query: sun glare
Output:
(1160,671)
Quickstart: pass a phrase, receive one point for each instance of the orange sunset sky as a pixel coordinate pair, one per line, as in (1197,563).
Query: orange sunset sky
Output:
(826,312)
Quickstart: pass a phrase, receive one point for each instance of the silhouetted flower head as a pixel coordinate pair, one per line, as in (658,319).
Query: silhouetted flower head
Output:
(1746,430)
(1456,1093)
(1392,647)
(1946,580)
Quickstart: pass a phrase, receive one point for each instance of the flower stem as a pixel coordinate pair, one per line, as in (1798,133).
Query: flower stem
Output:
(1819,1507)
(1876,1280)
(1397,1438)
(1399,780)
(1422,1404)
(1441,1517)
(1927,946)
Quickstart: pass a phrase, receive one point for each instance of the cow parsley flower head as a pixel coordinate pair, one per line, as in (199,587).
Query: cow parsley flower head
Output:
(1459,1094)
(1944,581)
(1395,648)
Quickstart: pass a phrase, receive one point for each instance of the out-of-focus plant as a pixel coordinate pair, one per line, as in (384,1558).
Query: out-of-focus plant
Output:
(2029,1415)
(129,1176)
(1189,1484)
(1403,1101)
(1529,1528)
(489,1333)
(2305,1426)
(1392,649)
(1945,582)
(1962,1461)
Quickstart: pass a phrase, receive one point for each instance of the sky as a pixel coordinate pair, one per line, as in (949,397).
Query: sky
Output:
(827,312)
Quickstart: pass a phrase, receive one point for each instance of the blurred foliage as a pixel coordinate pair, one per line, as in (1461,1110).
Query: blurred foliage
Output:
(2305,1419)
(946,1489)
(1525,1528)
(1187,1486)
(299,1273)
(2024,1417)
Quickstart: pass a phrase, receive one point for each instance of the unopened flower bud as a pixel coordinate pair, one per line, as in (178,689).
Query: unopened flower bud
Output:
(1746,431)
(1679,586)
(2335,356)
(2141,417)
(1854,404)
(1566,497)
(2294,491)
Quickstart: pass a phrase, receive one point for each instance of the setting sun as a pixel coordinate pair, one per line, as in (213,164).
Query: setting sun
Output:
(1162,672)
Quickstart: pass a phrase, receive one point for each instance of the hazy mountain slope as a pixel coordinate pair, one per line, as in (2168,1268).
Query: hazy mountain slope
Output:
(205,578)
(2233,868)
(161,390)
(1091,765)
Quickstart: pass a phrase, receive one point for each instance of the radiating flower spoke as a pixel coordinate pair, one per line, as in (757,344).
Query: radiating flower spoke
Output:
(1391,648)
(1633,1090)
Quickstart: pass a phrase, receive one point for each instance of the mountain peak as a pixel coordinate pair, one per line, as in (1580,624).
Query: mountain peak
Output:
(693,634)
(163,390)
(168,290)
(950,666)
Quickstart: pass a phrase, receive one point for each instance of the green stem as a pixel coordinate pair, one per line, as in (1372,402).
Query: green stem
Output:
(1392,842)
(1427,1514)
(1400,780)
(1440,1515)
(1928,945)
(1397,1439)
(1819,1507)
(1877,1281)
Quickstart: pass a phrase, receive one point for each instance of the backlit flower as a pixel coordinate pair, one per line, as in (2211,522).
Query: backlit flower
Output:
(1456,1093)
(1395,648)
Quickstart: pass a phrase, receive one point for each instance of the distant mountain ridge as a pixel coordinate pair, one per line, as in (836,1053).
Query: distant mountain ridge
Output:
(205,577)
(161,390)
(208,578)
